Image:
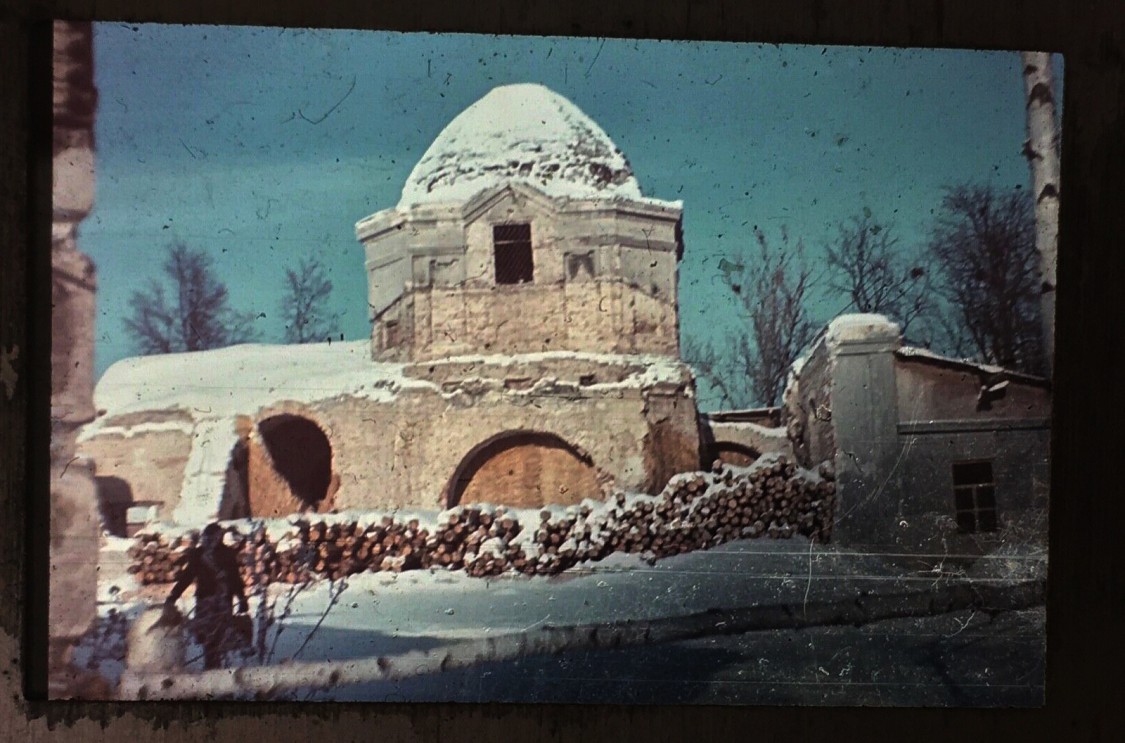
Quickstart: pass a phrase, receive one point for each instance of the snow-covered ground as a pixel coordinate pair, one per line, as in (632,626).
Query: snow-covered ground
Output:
(388,613)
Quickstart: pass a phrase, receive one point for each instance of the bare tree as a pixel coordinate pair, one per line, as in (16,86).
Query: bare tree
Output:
(869,268)
(772,291)
(780,283)
(983,242)
(196,317)
(304,304)
(725,373)
(1042,152)
(946,330)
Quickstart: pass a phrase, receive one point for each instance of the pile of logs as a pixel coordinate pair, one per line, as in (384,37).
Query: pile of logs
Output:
(695,511)
(157,557)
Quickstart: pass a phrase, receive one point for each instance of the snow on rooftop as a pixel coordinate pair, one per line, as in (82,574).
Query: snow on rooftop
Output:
(240,380)
(874,327)
(527,133)
(536,356)
(913,352)
(926,354)
(225,382)
(766,432)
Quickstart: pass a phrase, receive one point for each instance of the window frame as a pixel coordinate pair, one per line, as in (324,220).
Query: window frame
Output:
(524,271)
(974,497)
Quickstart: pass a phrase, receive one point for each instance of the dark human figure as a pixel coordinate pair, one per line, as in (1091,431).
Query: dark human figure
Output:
(213,567)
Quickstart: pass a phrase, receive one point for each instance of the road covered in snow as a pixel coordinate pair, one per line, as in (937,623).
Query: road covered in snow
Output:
(961,658)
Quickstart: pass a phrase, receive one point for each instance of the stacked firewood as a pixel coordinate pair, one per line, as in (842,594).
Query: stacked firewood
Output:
(341,548)
(695,511)
(475,538)
(157,557)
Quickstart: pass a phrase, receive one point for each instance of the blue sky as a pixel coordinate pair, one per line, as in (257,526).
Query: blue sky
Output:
(265,145)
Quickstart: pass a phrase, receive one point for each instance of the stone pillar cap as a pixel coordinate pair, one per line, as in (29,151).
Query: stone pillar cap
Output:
(863,328)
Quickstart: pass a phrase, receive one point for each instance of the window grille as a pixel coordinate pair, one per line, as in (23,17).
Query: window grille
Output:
(974,494)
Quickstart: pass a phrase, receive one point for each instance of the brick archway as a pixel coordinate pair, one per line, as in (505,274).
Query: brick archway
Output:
(739,455)
(525,469)
(289,467)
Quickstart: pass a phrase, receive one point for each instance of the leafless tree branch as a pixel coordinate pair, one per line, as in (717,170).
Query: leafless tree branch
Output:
(197,317)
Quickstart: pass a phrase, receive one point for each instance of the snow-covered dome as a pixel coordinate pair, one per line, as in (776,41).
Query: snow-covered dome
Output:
(526,133)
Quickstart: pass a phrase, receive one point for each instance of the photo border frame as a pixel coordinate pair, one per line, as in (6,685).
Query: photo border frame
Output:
(1085,587)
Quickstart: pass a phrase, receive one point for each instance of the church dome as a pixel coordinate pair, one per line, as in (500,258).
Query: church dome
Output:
(524,133)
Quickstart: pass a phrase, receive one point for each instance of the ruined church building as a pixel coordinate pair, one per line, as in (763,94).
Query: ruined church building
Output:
(525,350)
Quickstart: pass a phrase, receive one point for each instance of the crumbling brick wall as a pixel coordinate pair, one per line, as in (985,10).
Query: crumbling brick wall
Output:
(405,451)
(604,279)
(151,462)
(269,492)
(808,410)
(605,315)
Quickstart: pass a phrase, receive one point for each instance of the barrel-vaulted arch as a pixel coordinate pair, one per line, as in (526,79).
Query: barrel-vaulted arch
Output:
(284,466)
(734,453)
(524,468)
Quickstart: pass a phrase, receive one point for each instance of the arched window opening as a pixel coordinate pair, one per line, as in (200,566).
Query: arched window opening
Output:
(290,466)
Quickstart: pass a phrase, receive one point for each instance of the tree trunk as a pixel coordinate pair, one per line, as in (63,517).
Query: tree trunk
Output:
(1042,151)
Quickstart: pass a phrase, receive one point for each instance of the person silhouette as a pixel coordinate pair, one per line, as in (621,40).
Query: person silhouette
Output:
(213,568)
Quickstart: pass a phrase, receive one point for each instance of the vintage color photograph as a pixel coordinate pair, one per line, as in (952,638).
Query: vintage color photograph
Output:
(451,367)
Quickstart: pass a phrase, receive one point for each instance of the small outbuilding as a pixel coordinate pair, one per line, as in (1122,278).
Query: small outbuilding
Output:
(925,448)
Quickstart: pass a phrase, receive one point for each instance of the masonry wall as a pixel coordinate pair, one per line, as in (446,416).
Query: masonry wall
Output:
(151,462)
(530,470)
(940,423)
(863,416)
(604,279)
(673,443)
(925,507)
(405,453)
(607,316)
(927,391)
(808,410)
(731,442)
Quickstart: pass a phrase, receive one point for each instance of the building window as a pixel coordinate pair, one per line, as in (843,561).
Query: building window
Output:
(975,497)
(392,336)
(512,248)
